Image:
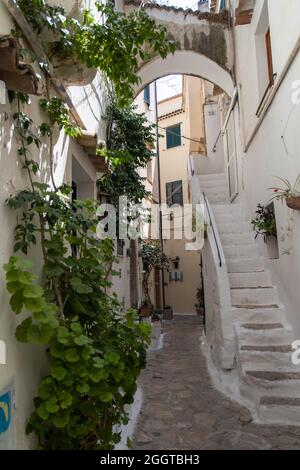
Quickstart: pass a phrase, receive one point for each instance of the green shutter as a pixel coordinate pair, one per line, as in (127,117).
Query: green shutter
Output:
(173,136)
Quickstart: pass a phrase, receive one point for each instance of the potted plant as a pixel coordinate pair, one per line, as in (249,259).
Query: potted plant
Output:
(168,313)
(153,259)
(146,308)
(156,315)
(288,192)
(265,225)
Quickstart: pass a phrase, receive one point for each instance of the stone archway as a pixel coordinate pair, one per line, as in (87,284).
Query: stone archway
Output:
(204,46)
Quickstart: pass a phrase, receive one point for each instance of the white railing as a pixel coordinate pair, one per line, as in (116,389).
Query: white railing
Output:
(218,307)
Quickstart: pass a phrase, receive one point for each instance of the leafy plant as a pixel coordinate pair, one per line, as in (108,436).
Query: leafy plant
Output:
(95,349)
(129,138)
(58,114)
(116,47)
(264,223)
(288,190)
(153,258)
(200,299)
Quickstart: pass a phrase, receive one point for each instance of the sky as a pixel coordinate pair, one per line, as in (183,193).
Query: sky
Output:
(181,3)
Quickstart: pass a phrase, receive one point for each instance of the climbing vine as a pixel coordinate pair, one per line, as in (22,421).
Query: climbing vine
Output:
(115,47)
(130,141)
(95,350)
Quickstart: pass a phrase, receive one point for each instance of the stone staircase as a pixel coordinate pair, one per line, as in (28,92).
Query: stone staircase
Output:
(267,378)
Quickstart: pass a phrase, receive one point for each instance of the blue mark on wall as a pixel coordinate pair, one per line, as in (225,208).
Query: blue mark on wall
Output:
(5,411)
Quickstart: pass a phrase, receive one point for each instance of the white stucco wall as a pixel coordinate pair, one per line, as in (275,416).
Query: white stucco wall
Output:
(274,149)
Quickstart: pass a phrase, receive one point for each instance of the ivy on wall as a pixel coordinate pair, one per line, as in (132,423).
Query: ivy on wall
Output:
(95,349)
(115,47)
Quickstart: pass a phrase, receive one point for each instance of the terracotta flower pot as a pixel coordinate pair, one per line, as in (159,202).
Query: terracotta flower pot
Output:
(168,313)
(146,311)
(293,203)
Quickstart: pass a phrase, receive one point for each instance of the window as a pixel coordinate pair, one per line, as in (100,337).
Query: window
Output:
(269,55)
(174,193)
(120,247)
(263,45)
(173,135)
(147,95)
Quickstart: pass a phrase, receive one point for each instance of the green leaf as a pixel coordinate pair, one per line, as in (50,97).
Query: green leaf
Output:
(46,388)
(39,334)
(82,340)
(83,388)
(72,355)
(52,406)
(112,357)
(79,286)
(60,420)
(66,400)
(33,291)
(42,412)
(22,330)
(106,396)
(58,373)
(16,302)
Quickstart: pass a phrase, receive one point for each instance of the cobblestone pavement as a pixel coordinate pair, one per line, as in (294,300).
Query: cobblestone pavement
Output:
(182,410)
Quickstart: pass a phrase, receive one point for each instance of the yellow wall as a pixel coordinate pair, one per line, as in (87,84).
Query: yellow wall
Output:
(182,295)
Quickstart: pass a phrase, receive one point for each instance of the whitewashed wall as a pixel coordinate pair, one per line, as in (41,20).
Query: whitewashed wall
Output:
(268,153)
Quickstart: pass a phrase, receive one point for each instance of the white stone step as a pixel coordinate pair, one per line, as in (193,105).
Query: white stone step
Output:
(254,296)
(279,410)
(223,218)
(212,185)
(283,380)
(259,315)
(212,176)
(235,228)
(254,356)
(256,279)
(241,251)
(215,198)
(228,209)
(236,238)
(244,265)
(263,333)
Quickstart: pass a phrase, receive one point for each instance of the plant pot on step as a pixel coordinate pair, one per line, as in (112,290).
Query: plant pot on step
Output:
(146,311)
(293,203)
(168,313)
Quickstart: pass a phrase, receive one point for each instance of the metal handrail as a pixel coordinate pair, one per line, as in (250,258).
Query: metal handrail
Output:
(214,233)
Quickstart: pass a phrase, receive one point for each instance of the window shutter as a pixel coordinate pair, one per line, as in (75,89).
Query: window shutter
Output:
(169,193)
(147,94)
(177,193)
(173,136)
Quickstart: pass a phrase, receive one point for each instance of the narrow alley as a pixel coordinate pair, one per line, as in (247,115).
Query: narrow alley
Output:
(182,410)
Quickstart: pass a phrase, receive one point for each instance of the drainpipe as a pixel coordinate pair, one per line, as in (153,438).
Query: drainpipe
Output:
(159,196)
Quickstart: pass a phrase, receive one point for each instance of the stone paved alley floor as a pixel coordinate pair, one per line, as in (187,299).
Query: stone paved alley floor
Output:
(182,410)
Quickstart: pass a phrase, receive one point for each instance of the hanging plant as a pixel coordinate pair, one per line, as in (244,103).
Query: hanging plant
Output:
(288,192)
